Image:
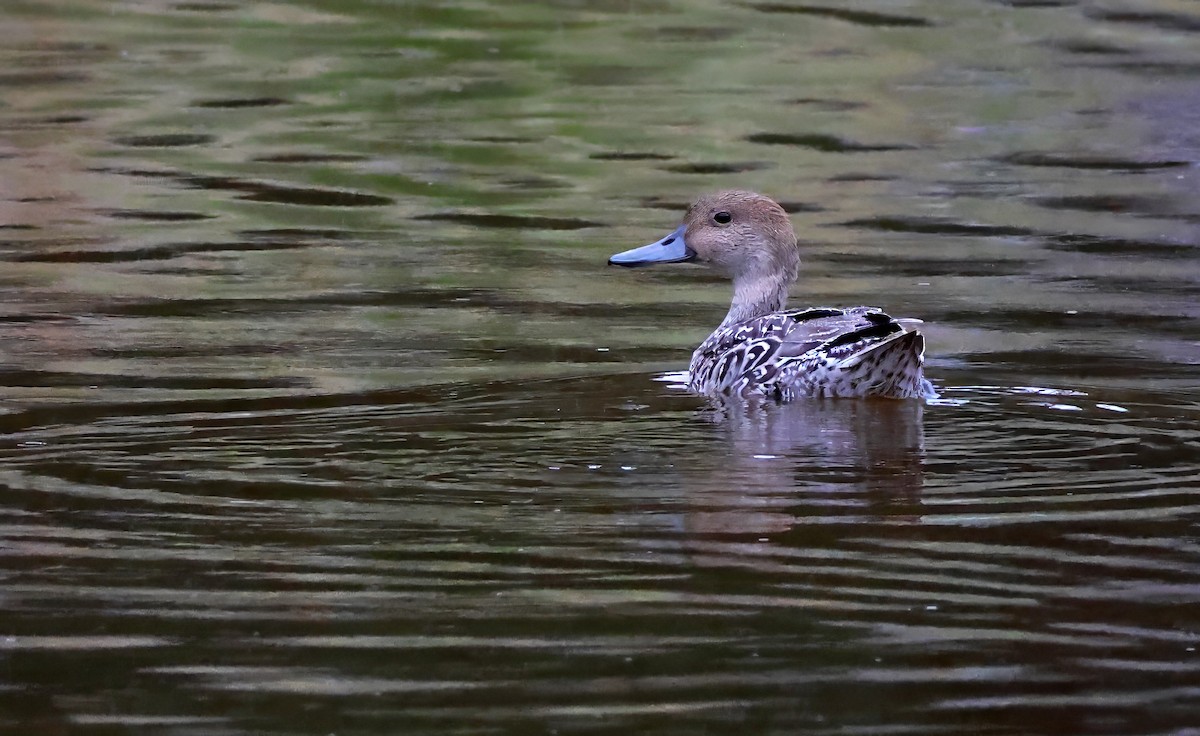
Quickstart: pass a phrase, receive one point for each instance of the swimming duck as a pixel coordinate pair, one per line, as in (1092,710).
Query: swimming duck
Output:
(761,348)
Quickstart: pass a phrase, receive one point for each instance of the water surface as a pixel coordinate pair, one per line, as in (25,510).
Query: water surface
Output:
(321,412)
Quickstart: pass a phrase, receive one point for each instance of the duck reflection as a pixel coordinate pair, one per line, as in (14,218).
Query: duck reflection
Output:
(810,462)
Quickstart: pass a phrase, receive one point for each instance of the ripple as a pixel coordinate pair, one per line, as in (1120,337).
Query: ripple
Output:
(629,156)
(1133,203)
(159,215)
(918,267)
(830,104)
(1157,19)
(937,226)
(1090,46)
(515,222)
(307,196)
(239,102)
(260,191)
(857,17)
(823,142)
(162,252)
(1108,245)
(1076,161)
(42,77)
(59,378)
(718,167)
(309,158)
(165,140)
(73,643)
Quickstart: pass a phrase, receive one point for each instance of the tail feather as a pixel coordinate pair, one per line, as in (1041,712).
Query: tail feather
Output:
(891,367)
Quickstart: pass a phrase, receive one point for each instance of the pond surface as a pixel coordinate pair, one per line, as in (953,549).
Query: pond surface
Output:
(320,411)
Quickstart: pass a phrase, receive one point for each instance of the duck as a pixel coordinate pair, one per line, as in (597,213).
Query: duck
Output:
(762,348)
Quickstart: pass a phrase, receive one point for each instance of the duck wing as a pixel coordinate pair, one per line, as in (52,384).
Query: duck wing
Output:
(834,331)
(772,353)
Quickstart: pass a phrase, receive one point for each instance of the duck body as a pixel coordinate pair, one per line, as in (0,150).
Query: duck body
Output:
(763,349)
(809,353)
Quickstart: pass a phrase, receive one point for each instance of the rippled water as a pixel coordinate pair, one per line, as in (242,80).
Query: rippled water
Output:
(321,413)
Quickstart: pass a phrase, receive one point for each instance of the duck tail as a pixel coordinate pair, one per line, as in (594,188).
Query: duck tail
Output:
(892,367)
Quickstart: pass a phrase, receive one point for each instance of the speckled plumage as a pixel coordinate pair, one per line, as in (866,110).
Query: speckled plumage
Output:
(857,351)
(763,349)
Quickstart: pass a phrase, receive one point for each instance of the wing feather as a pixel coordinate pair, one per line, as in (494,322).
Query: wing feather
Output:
(755,353)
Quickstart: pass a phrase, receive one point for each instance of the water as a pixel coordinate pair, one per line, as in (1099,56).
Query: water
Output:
(321,412)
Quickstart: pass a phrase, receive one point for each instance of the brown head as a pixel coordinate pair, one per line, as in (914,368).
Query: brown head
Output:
(743,235)
(746,236)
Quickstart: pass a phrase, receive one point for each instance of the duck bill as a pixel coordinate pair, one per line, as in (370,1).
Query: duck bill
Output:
(671,249)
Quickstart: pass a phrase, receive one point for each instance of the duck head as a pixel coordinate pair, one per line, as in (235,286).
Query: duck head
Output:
(742,235)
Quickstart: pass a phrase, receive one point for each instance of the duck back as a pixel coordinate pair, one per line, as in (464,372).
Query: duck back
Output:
(851,352)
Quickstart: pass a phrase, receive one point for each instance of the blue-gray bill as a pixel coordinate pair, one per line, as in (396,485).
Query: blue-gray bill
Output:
(670,249)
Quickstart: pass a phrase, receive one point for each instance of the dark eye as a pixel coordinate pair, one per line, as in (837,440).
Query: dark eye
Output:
(722,218)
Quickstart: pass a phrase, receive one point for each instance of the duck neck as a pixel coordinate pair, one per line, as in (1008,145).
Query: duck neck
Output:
(756,296)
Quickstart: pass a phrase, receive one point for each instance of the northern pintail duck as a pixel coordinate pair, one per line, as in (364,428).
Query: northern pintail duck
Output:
(762,349)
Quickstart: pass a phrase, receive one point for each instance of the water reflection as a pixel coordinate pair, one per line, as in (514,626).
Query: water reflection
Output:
(320,413)
(787,462)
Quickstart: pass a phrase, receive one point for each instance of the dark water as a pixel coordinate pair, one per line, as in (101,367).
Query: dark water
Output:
(320,412)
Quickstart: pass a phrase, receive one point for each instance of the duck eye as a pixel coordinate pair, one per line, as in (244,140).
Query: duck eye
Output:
(722,218)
